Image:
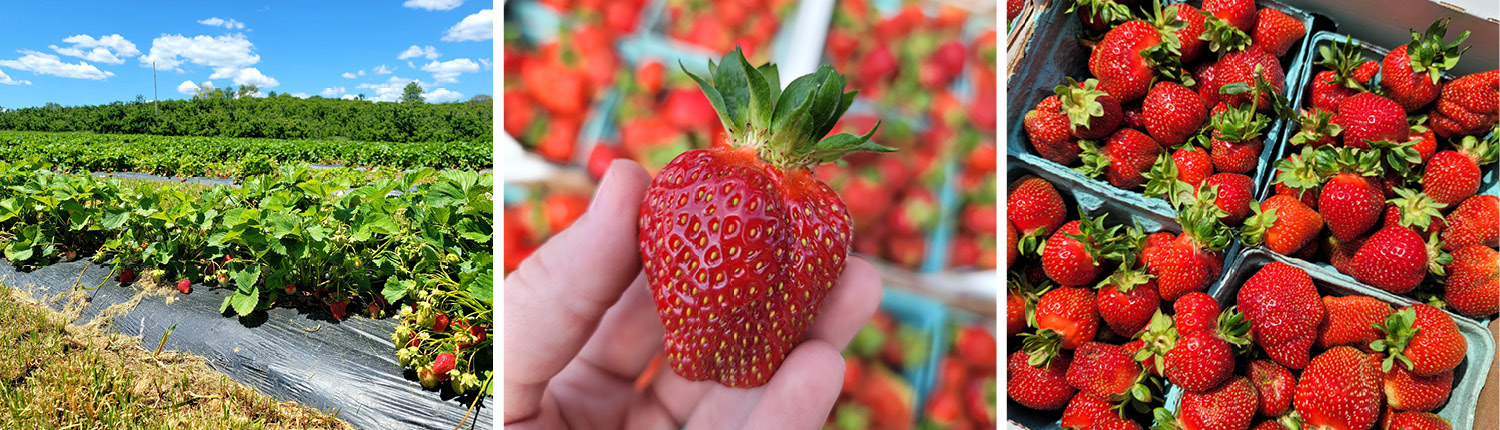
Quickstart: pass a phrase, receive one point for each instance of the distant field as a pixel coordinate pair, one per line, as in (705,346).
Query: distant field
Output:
(221,156)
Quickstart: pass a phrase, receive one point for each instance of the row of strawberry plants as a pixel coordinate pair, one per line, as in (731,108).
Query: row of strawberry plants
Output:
(418,245)
(192,156)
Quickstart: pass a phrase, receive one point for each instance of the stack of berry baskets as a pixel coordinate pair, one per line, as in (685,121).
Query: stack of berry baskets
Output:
(1423,170)
(1158,146)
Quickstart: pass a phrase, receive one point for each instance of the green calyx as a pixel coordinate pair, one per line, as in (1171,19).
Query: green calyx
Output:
(1200,219)
(1020,286)
(1430,55)
(1080,103)
(1166,57)
(1234,329)
(1253,232)
(1300,172)
(1110,12)
(1159,336)
(1399,157)
(1315,126)
(785,127)
(1437,259)
(1347,159)
(1482,151)
(1164,420)
(1222,37)
(1239,124)
(1094,160)
(1162,180)
(1399,328)
(1416,208)
(1041,347)
(1343,58)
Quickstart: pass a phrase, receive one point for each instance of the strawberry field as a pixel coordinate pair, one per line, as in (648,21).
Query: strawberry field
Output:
(409,251)
(586,86)
(1231,214)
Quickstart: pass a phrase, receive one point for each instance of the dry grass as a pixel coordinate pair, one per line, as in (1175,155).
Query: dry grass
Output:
(55,374)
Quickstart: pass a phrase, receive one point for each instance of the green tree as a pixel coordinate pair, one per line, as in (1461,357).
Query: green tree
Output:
(246,90)
(412,93)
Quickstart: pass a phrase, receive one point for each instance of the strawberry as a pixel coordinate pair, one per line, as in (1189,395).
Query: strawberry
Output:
(1126,301)
(1410,73)
(1092,113)
(1195,312)
(1234,195)
(1284,311)
(1416,211)
(1341,253)
(1473,223)
(1340,390)
(1467,105)
(1236,139)
(1473,284)
(1350,205)
(1276,32)
(1199,362)
(1172,113)
(1418,421)
(1126,60)
(1016,308)
(339,309)
(562,137)
(649,76)
(1193,260)
(1351,321)
(1037,383)
(1190,35)
(1124,159)
(1426,145)
(440,322)
(442,365)
(1067,313)
(877,66)
(1238,13)
(1071,256)
(1012,241)
(127,276)
(976,346)
(1049,131)
(1328,91)
(1104,370)
(1100,15)
(521,114)
(1180,174)
(980,396)
(1275,384)
(1422,338)
(1394,259)
(1085,410)
(1269,425)
(1407,392)
(1283,223)
(1367,117)
(1243,67)
(1013,9)
(714,265)
(1316,129)
(1452,176)
(1229,406)
(185,286)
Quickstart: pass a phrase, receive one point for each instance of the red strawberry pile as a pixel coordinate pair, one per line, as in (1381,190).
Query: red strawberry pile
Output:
(901,60)
(618,16)
(661,114)
(723,25)
(875,395)
(550,89)
(548,209)
(964,395)
(1382,184)
(1179,98)
(1316,361)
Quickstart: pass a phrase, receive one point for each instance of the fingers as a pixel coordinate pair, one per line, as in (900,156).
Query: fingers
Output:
(850,304)
(556,298)
(628,337)
(798,397)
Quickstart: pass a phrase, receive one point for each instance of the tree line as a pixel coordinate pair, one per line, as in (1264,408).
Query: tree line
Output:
(231,113)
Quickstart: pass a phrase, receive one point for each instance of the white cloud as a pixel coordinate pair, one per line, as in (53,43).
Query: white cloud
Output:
(417,51)
(250,76)
(383,70)
(479,26)
(332,92)
(47,64)
(444,72)
(442,95)
(107,49)
(300,95)
(221,52)
(487,64)
(349,97)
(390,90)
(229,24)
(348,75)
(433,4)
(8,81)
(188,87)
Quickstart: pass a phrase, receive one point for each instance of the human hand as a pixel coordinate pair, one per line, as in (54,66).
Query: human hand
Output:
(581,327)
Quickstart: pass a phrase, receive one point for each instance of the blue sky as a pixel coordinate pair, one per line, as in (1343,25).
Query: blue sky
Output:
(96,52)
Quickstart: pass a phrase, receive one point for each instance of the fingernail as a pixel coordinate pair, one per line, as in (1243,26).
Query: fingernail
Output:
(603,187)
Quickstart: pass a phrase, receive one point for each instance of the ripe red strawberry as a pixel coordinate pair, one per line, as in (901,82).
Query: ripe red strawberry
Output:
(339,309)
(1473,223)
(1426,144)
(1283,223)
(1350,205)
(1085,410)
(1190,35)
(1411,72)
(1239,13)
(185,286)
(1016,308)
(1394,259)
(1298,176)
(1194,165)
(1341,253)
(1072,255)
(1125,61)
(1418,421)
(1126,301)
(1207,84)
(1473,284)
(1035,207)
(1316,129)
(1104,370)
(1422,338)
(1172,113)
(1195,312)
(1048,129)
(1193,260)
(1043,385)
(1229,406)
(1012,252)
(1013,9)
(1328,91)
(1199,361)
(1068,313)
(1340,390)
(1235,192)
(1275,384)
(1239,67)
(649,76)
(1276,32)
(1284,311)
(442,365)
(440,322)
(1092,113)
(1452,176)
(1368,117)
(976,346)
(1467,105)
(720,230)
(127,276)
(1236,139)
(1407,392)
(1123,160)
(1351,321)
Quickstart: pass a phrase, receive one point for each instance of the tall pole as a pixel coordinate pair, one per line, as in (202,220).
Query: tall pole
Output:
(155,99)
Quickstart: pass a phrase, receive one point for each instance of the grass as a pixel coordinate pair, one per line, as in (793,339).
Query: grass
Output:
(54,374)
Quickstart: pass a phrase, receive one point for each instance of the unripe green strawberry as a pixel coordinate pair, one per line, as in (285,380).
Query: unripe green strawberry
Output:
(740,244)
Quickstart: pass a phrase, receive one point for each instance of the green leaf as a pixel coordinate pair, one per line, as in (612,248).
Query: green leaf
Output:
(482,288)
(762,102)
(244,302)
(715,98)
(395,289)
